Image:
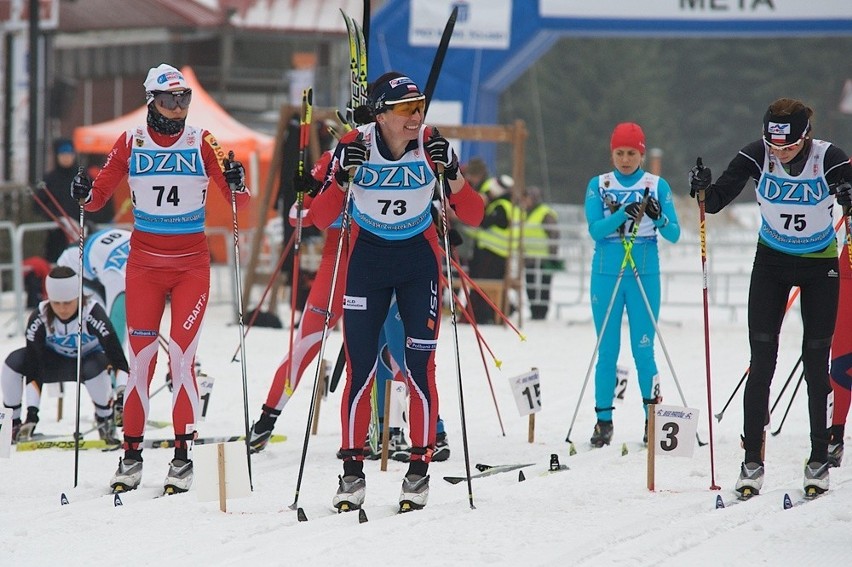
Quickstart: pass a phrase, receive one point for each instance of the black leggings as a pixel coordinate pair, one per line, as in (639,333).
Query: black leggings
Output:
(772,278)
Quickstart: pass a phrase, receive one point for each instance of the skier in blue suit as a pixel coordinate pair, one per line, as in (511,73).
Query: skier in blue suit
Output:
(613,205)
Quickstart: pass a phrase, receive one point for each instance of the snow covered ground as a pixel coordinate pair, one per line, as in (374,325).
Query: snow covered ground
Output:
(597,513)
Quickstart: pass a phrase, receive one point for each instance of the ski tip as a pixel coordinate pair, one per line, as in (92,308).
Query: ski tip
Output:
(116,500)
(788,503)
(719,502)
(63,500)
(300,514)
(362,516)
(521,477)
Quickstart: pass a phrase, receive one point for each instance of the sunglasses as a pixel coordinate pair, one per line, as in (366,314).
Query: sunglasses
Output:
(407,107)
(786,147)
(170,100)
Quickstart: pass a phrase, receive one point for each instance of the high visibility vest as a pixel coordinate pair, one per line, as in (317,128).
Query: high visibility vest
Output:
(536,239)
(496,239)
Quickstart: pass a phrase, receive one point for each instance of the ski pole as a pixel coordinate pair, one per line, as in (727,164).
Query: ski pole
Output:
(789,405)
(787,383)
(239,300)
(81,240)
(605,322)
(702,231)
(447,260)
(734,393)
(344,229)
(304,136)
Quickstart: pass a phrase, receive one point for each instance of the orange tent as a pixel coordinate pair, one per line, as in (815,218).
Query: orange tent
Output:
(253,149)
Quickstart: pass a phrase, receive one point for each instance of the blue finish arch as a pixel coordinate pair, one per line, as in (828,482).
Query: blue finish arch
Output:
(477,77)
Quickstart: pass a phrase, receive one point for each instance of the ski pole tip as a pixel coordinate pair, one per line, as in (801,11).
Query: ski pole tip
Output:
(498,363)
(523,337)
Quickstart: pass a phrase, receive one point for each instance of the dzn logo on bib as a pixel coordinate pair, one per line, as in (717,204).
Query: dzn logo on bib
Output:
(404,176)
(780,190)
(155,162)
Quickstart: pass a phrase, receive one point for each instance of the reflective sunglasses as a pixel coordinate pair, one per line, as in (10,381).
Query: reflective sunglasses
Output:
(786,147)
(170,100)
(408,106)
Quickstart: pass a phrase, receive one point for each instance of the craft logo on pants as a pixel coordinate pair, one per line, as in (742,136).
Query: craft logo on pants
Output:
(355,303)
(196,312)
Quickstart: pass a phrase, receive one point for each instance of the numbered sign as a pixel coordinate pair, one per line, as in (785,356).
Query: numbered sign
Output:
(622,376)
(5,433)
(674,430)
(205,388)
(527,392)
(398,405)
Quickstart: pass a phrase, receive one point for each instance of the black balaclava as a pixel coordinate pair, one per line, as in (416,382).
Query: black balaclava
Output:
(162,125)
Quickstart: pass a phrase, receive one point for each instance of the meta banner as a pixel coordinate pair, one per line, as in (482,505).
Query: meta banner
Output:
(697,9)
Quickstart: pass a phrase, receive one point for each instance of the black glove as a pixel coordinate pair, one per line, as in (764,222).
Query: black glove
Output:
(699,179)
(81,186)
(441,153)
(653,209)
(353,155)
(632,210)
(235,175)
(305,183)
(455,237)
(843,193)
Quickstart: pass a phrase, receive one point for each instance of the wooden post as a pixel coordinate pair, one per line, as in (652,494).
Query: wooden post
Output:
(323,376)
(531,428)
(386,425)
(652,443)
(220,457)
(59,401)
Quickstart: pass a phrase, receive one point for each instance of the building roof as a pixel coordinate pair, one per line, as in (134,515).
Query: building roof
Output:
(95,15)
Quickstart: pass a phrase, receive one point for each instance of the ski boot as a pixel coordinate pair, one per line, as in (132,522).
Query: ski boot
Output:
(179,478)
(27,428)
(414,493)
(398,447)
(835,454)
(16,429)
(351,493)
(816,479)
(750,480)
(442,448)
(602,434)
(118,407)
(106,429)
(128,475)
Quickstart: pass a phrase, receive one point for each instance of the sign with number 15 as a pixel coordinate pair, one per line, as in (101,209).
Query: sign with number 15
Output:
(527,392)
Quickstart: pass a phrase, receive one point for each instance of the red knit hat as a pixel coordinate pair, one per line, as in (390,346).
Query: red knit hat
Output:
(628,134)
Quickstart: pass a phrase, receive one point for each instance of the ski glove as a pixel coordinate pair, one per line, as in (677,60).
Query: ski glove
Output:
(353,155)
(441,153)
(235,175)
(305,183)
(81,186)
(699,180)
(633,208)
(653,209)
(843,192)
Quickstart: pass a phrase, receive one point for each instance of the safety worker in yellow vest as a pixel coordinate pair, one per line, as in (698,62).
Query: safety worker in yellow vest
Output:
(498,235)
(541,251)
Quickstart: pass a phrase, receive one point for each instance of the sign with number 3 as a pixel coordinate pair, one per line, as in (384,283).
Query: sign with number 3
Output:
(674,430)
